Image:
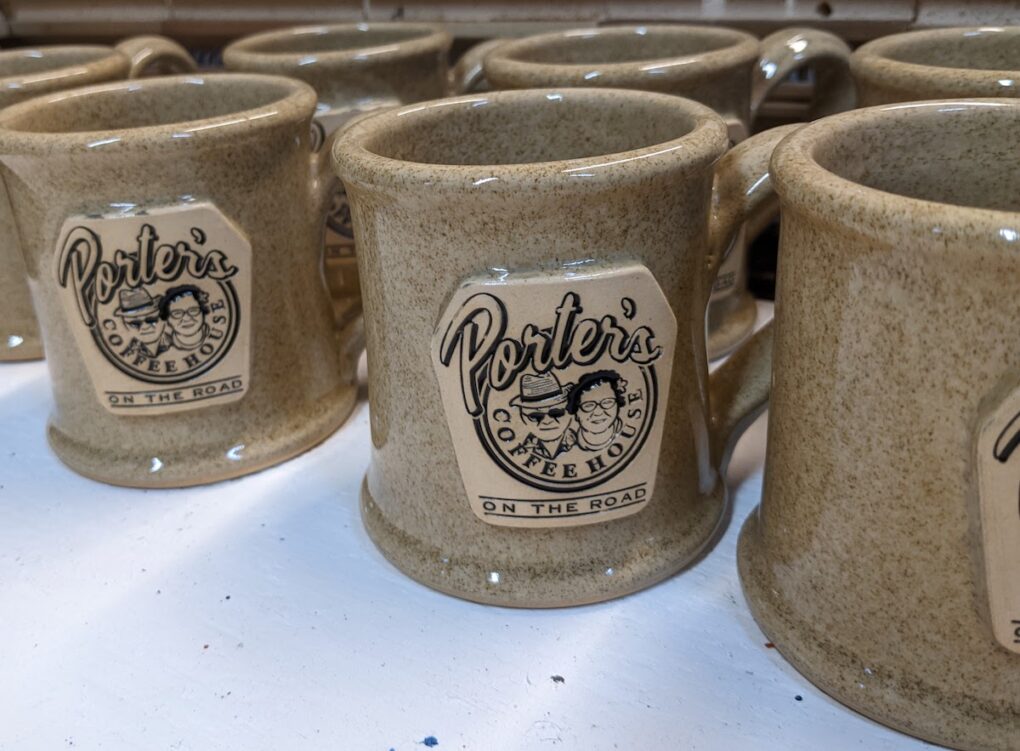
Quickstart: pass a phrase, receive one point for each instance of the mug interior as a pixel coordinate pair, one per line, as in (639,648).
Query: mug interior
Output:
(950,153)
(975,49)
(532,126)
(624,45)
(334,39)
(152,103)
(26,63)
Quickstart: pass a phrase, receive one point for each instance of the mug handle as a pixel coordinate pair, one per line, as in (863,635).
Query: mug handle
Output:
(468,75)
(152,54)
(739,388)
(786,50)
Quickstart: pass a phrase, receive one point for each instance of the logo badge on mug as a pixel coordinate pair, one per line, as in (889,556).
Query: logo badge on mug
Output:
(555,388)
(159,305)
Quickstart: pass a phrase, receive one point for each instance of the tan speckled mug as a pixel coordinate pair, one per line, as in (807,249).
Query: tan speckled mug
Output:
(188,331)
(354,69)
(883,561)
(29,72)
(938,64)
(535,267)
(730,71)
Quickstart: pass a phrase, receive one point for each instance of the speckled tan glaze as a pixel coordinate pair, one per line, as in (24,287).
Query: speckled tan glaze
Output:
(728,70)
(25,73)
(348,63)
(938,64)
(462,185)
(241,142)
(895,320)
(351,67)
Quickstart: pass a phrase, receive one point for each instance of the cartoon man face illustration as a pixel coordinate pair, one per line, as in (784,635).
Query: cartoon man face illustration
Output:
(140,313)
(596,402)
(184,309)
(542,404)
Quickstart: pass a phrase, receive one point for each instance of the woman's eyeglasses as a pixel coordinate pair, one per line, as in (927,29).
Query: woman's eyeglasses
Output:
(192,312)
(606,404)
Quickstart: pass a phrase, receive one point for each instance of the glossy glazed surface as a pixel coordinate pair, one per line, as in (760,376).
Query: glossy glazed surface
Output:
(354,68)
(898,249)
(538,181)
(938,64)
(25,73)
(242,144)
(728,70)
(29,72)
(351,64)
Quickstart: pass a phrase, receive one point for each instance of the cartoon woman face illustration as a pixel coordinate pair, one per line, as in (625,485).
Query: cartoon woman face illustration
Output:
(184,309)
(596,403)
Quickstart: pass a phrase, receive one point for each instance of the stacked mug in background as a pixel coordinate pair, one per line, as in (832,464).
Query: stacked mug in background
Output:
(728,70)
(26,73)
(536,265)
(355,69)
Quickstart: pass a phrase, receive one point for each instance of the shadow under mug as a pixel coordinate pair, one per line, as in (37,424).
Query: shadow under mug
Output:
(171,232)
(29,72)
(883,559)
(536,266)
(729,70)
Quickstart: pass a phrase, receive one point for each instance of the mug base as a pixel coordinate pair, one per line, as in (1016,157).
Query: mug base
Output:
(531,585)
(905,702)
(188,466)
(18,348)
(731,320)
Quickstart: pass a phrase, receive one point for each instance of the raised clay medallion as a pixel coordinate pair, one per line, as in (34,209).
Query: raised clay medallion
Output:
(998,463)
(160,306)
(554,386)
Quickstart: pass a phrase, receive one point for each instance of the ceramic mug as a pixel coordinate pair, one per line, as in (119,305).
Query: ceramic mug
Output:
(187,329)
(29,72)
(354,69)
(883,560)
(938,64)
(729,70)
(535,267)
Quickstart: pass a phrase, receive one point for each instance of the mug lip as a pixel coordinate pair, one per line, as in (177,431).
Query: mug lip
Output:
(873,61)
(101,61)
(502,64)
(356,164)
(245,53)
(296,102)
(803,183)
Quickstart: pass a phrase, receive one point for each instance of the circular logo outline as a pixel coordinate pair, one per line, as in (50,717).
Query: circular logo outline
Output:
(233,306)
(487,441)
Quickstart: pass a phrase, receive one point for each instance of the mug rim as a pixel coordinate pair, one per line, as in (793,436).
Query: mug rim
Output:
(357,164)
(801,181)
(501,64)
(244,53)
(872,61)
(102,60)
(296,102)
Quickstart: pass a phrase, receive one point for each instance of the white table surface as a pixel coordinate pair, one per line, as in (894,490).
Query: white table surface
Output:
(256,614)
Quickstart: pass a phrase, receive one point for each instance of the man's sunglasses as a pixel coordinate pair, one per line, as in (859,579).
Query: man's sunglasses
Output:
(536,417)
(140,323)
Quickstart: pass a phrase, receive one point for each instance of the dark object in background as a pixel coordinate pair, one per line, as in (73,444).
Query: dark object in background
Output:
(761,262)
